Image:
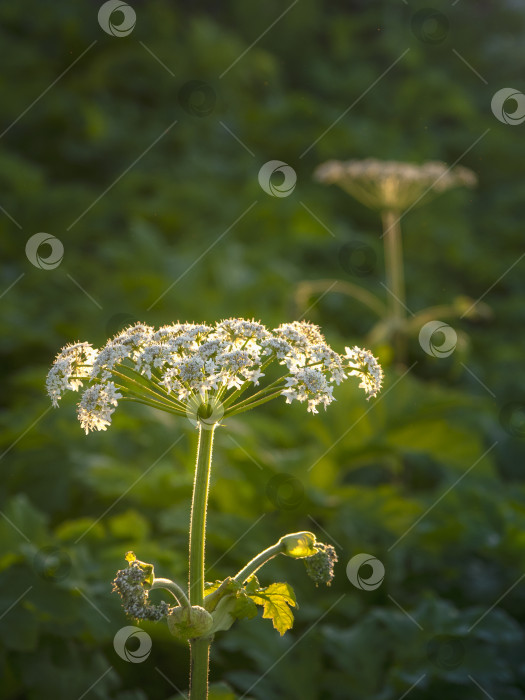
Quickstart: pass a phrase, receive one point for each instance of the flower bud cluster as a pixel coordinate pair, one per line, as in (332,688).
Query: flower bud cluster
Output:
(129,584)
(320,567)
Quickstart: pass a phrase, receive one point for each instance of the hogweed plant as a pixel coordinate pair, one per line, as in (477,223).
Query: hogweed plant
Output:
(208,374)
(391,188)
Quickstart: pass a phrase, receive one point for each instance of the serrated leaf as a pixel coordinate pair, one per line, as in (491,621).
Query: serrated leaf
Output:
(214,592)
(276,599)
(231,607)
(252,584)
(211,587)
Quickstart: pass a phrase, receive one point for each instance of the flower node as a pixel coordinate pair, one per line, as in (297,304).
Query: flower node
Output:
(189,623)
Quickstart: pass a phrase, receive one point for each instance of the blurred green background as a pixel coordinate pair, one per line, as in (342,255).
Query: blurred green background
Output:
(429,480)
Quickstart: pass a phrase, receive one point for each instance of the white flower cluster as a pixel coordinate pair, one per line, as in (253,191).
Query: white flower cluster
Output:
(71,366)
(183,364)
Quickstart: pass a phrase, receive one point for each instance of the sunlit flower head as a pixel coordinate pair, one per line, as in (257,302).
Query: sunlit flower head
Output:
(390,184)
(192,369)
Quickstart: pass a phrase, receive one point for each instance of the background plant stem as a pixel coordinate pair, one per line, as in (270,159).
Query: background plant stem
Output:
(395,278)
(200,648)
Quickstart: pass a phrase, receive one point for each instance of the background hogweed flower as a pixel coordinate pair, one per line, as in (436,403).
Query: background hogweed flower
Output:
(393,185)
(202,371)
(392,188)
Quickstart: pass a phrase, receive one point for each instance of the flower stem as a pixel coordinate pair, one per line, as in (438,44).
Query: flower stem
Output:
(395,278)
(247,404)
(175,590)
(258,561)
(143,386)
(200,648)
(200,661)
(151,404)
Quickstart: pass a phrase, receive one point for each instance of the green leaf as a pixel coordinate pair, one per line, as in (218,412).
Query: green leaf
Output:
(71,530)
(129,525)
(19,629)
(277,599)
(215,592)
(211,587)
(232,606)
(244,606)
(221,691)
(21,521)
(252,585)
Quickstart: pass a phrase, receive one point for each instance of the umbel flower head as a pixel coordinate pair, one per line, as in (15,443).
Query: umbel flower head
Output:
(202,371)
(391,185)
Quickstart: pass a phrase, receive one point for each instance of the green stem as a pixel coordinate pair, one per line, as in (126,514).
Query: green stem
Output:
(175,590)
(245,406)
(153,402)
(200,648)
(200,662)
(395,278)
(309,287)
(159,406)
(261,393)
(258,561)
(147,389)
(269,387)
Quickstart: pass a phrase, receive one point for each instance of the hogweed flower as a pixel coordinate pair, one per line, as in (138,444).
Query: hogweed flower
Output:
(202,371)
(207,372)
(393,185)
(392,188)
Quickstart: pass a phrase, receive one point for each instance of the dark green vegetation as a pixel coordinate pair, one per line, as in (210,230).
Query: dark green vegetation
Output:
(90,499)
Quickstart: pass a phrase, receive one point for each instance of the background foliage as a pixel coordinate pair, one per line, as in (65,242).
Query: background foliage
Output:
(89,500)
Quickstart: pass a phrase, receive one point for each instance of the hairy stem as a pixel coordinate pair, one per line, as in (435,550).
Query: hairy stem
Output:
(175,590)
(246,406)
(258,561)
(200,648)
(200,662)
